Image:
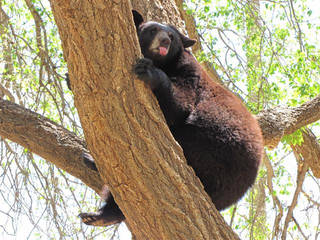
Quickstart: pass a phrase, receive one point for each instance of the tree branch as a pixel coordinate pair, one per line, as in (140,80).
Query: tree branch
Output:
(302,154)
(63,148)
(276,202)
(311,151)
(280,121)
(48,140)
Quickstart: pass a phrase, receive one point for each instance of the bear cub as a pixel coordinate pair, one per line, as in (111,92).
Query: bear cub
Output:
(220,139)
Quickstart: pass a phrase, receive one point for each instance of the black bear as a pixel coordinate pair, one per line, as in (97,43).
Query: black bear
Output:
(220,139)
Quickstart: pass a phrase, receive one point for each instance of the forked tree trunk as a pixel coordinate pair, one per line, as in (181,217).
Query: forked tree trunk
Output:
(125,130)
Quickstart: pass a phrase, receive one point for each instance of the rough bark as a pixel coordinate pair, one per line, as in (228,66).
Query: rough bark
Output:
(16,122)
(142,161)
(7,58)
(190,26)
(46,139)
(280,121)
(309,151)
(159,10)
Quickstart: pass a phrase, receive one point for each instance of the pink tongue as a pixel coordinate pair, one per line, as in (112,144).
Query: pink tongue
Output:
(163,51)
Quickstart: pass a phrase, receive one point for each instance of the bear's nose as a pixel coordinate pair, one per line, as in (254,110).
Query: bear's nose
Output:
(165,42)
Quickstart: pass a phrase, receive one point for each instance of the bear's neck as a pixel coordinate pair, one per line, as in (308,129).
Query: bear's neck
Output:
(183,60)
(169,62)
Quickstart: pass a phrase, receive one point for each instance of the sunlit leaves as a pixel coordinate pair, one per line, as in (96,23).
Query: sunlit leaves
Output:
(273,43)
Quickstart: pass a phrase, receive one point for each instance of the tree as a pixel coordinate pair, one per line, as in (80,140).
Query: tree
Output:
(111,106)
(131,121)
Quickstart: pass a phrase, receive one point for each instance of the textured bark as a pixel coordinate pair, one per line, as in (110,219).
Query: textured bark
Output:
(159,10)
(280,121)
(46,139)
(7,58)
(309,151)
(63,147)
(125,130)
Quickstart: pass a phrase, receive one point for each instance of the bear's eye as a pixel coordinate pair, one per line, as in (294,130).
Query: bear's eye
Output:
(153,31)
(170,36)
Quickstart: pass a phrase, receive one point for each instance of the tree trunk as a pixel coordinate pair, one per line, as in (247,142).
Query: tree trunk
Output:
(125,130)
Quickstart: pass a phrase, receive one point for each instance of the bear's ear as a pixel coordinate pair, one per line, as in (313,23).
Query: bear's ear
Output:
(187,42)
(137,18)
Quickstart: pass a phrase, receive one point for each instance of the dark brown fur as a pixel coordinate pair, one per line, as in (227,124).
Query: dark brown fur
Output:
(221,140)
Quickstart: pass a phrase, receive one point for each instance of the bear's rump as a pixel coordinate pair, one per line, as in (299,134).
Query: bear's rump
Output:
(222,163)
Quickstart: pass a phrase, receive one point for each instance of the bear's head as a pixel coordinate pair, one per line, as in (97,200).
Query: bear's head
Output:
(160,42)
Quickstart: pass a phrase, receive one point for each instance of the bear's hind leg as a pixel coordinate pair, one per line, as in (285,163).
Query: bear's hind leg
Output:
(106,216)
(109,214)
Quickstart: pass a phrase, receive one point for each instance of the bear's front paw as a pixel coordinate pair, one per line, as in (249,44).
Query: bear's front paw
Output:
(144,69)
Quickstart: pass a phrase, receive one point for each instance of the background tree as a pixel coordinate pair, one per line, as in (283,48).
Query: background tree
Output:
(32,70)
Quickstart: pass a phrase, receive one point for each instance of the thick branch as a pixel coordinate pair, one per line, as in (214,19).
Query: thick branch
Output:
(311,151)
(280,121)
(46,139)
(61,147)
